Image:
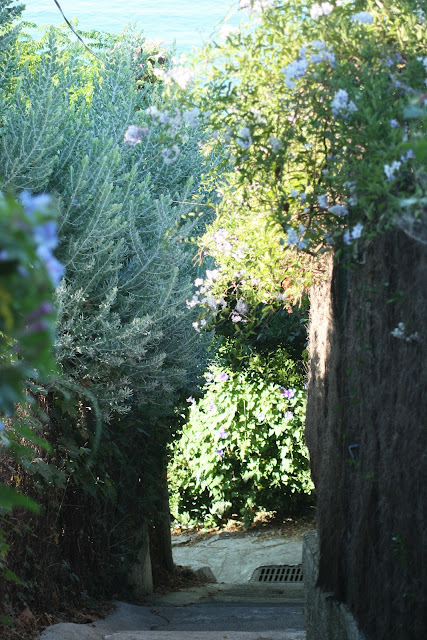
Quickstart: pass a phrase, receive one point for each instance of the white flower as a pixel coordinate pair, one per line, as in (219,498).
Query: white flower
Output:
(181,75)
(294,193)
(163,117)
(160,73)
(198,282)
(152,111)
(275,144)
(175,124)
(191,117)
(170,155)
(323,201)
(227,30)
(212,274)
(362,17)
(241,307)
(193,302)
(303,198)
(318,10)
(222,244)
(399,331)
(196,326)
(211,302)
(339,209)
(257,6)
(390,169)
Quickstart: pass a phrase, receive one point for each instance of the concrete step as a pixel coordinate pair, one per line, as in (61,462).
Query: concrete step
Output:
(207,635)
(249,593)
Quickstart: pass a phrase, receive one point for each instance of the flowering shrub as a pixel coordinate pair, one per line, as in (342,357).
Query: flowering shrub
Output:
(28,274)
(310,101)
(242,448)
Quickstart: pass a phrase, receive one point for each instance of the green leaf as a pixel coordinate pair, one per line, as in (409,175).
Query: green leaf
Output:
(10,498)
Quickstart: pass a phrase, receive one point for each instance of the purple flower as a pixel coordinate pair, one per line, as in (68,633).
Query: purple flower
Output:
(2,427)
(289,415)
(42,310)
(4,255)
(41,325)
(34,203)
(223,377)
(288,393)
(220,452)
(46,236)
(220,434)
(212,406)
(409,155)
(191,400)
(54,268)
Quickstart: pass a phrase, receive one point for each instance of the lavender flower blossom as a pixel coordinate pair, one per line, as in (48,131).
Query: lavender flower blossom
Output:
(322,53)
(339,209)
(223,377)
(391,169)
(362,17)
(288,393)
(352,234)
(220,452)
(323,201)
(294,70)
(289,415)
(133,135)
(341,105)
(275,144)
(34,203)
(220,434)
(170,155)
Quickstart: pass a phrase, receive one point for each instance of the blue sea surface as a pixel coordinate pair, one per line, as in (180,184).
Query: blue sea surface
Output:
(188,22)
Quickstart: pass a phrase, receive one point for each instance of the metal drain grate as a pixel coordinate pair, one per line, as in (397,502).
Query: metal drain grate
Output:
(278,573)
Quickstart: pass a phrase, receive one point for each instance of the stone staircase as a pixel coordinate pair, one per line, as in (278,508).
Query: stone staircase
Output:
(234,608)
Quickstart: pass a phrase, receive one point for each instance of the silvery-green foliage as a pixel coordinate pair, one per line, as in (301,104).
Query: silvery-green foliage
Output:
(124,330)
(9,11)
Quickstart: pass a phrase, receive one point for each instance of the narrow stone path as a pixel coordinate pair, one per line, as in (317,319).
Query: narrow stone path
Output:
(231,609)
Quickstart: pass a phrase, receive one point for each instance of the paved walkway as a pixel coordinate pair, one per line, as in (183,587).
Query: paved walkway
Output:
(231,609)
(233,558)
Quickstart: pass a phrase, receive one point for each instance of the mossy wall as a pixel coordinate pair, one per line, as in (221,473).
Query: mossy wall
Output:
(366,431)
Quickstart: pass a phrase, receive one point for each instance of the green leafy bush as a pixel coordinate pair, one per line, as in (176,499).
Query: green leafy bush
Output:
(242,448)
(310,102)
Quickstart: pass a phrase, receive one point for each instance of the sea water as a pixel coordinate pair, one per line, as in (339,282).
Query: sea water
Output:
(188,22)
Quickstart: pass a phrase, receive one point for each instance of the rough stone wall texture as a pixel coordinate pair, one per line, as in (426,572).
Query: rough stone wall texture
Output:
(367,435)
